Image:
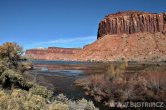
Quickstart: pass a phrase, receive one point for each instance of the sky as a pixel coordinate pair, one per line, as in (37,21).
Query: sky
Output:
(62,23)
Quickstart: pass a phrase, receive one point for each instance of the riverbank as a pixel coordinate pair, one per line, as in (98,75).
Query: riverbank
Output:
(119,85)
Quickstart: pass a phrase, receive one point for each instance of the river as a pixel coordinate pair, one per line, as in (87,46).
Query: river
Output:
(59,76)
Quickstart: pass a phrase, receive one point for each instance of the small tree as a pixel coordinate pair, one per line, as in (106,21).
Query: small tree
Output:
(11,53)
(12,67)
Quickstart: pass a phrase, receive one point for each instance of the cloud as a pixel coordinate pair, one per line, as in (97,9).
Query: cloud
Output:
(68,42)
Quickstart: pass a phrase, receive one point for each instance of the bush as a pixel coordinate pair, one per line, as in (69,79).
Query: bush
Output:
(12,67)
(144,86)
(116,70)
(58,106)
(42,91)
(10,78)
(11,54)
(63,103)
(21,100)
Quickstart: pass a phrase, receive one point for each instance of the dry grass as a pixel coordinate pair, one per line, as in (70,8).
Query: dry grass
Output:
(115,87)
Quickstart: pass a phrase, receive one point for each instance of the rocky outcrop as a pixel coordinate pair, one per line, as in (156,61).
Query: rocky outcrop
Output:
(52,53)
(132,22)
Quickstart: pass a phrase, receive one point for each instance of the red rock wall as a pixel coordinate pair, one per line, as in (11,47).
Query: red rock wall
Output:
(36,51)
(52,50)
(132,22)
(62,50)
(52,53)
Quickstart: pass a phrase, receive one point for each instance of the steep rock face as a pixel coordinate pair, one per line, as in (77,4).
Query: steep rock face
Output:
(35,51)
(132,22)
(62,50)
(52,53)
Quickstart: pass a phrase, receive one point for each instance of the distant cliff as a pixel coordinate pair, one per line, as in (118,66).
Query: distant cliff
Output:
(132,22)
(52,53)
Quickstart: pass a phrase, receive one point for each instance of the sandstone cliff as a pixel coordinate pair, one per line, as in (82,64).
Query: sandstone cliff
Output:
(128,35)
(52,53)
(132,22)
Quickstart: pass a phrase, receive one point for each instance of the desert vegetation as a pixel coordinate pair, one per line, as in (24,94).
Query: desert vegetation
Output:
(117,86)
(18,90)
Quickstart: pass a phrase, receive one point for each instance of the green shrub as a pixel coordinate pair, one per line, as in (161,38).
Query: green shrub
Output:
(21,100)
(11,78)
(12,67)
(58,106)
(42,91)
(67,104)
(11,54)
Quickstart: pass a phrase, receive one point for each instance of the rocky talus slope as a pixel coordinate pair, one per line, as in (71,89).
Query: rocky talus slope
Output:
(134,47)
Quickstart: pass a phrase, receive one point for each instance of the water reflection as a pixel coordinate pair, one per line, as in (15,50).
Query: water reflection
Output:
(44,69)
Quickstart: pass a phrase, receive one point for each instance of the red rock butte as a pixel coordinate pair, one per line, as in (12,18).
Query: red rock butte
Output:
(130,35)
(130,22)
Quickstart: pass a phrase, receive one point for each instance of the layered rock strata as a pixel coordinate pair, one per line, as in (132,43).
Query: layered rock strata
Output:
(132,22)
(52,53)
